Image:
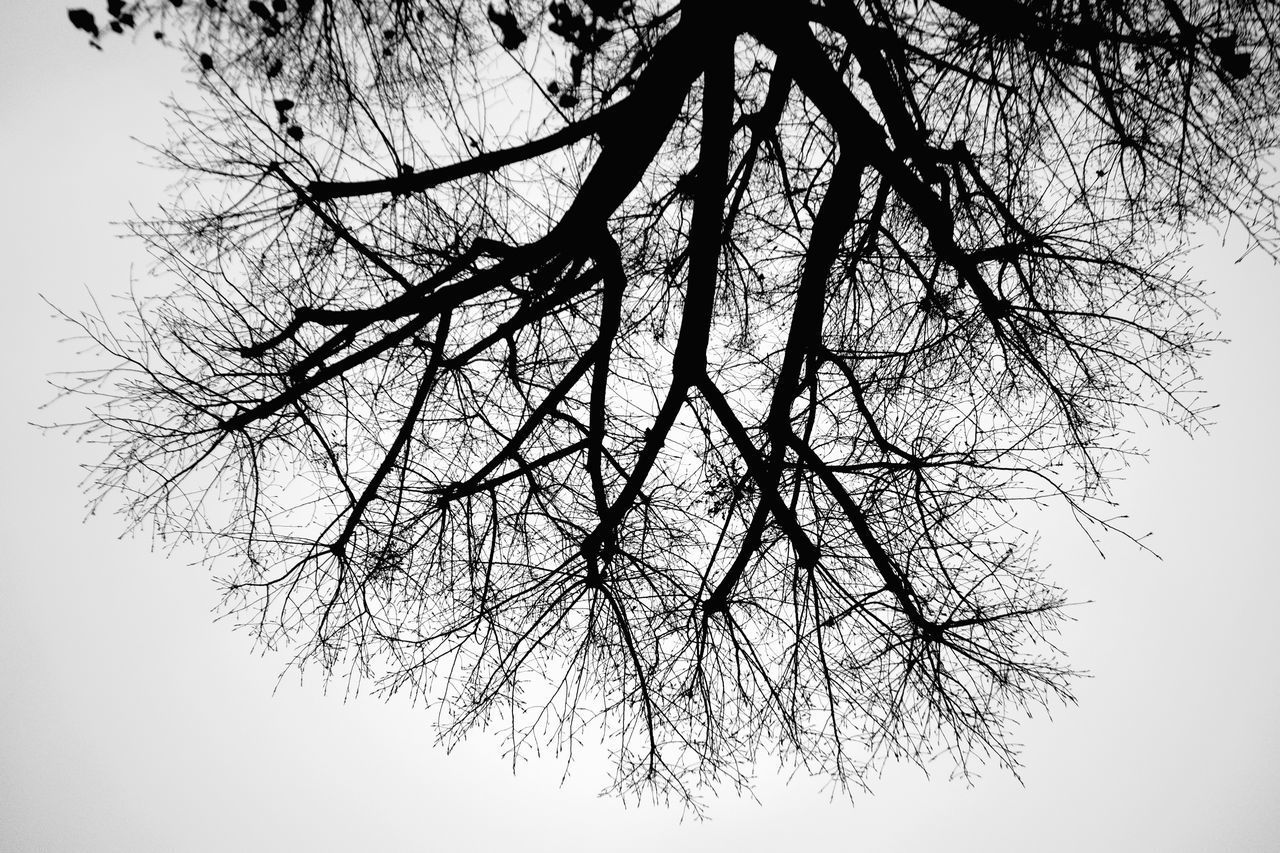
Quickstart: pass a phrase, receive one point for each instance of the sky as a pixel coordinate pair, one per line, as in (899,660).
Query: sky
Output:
(131,720)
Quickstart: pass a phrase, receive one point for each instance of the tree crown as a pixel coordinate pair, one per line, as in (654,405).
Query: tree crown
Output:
(676,371)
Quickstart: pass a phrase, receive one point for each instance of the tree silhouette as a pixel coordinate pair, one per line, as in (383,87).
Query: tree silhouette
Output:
(680,375)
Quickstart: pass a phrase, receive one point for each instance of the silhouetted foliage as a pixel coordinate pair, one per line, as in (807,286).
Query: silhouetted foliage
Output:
(82,19)
(677,374)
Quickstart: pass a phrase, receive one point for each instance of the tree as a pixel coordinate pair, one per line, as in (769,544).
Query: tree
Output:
(680,374)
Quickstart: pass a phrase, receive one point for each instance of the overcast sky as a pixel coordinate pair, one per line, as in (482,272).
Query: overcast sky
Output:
(132,721)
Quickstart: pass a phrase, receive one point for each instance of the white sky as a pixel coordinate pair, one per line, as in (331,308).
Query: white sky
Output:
(131,721)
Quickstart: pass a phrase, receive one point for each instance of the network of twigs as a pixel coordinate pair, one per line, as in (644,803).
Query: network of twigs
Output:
(675,374)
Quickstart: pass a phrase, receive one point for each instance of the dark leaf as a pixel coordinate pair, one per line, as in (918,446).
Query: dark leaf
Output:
(512,35)
(608,9)
(1238,65)
(115,8)
(206,62)
(82,19)
(279,6)
(1223,46)
(295,133)
(275,68)
(260,9)
(687,184)
(570,25)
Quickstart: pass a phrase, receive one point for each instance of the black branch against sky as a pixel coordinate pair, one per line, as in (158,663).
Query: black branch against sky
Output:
(679,376)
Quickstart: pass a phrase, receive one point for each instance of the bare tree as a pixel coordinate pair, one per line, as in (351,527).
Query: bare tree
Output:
(675,373)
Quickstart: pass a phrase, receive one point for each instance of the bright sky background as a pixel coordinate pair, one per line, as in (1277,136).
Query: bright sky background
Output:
(130,721)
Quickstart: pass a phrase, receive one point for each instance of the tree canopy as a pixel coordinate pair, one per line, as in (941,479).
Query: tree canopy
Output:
(678,375)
